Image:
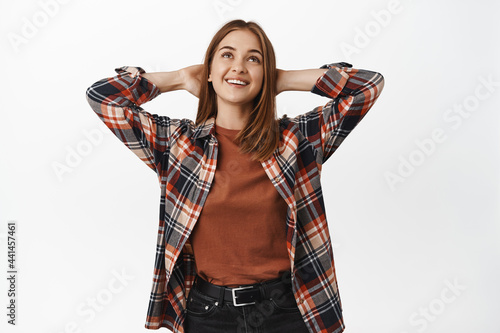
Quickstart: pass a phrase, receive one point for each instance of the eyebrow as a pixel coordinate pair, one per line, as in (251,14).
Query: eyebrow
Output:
(233,49)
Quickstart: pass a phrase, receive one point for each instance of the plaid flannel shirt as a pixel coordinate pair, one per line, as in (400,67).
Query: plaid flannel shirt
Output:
(184,157)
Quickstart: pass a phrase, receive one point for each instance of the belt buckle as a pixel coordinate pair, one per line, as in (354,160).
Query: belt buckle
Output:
(234,290)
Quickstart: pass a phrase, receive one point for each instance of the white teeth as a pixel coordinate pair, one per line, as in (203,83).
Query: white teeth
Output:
(237,82)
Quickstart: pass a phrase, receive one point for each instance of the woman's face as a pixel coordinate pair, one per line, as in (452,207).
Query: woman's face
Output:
(237,69)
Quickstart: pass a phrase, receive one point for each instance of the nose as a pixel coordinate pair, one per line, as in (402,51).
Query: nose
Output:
(239,66)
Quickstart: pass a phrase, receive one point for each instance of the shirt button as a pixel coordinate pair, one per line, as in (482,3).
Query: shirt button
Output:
(277,178)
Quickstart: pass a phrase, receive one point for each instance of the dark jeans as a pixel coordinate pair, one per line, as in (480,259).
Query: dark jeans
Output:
(275,315)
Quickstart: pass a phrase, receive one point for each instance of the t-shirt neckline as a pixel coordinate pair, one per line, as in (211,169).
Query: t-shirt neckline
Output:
(227,131)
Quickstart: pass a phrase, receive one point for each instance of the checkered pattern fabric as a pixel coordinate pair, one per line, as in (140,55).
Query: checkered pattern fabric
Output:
(184,158)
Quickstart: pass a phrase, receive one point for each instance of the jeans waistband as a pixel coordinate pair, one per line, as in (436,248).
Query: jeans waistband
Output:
(245,294)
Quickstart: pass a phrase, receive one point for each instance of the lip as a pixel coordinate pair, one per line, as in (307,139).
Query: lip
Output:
(237,85)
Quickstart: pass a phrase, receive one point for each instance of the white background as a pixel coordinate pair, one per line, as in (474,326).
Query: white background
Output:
(399,247)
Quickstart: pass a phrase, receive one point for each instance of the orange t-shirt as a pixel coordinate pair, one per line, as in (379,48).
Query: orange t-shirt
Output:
(240,236)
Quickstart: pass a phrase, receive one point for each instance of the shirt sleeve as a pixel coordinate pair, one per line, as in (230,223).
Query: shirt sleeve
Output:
(352,93)
(117,101)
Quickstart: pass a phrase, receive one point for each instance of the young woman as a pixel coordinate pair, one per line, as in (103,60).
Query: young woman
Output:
(243,241)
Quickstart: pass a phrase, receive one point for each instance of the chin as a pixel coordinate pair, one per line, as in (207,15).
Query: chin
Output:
(240,101)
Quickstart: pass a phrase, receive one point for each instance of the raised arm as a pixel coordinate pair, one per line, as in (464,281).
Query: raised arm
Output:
(116,100)
(188,78)
(298,80)
(352,92)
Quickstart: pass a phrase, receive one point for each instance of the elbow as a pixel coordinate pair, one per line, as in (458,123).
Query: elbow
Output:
(88,92)
(92,96)
(378,83)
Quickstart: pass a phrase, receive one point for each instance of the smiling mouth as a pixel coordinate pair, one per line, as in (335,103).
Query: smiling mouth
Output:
(237,82)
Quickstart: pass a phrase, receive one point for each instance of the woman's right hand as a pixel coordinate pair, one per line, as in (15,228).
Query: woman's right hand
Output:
(191,78)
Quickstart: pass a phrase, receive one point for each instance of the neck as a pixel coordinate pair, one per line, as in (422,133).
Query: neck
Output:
(232,116)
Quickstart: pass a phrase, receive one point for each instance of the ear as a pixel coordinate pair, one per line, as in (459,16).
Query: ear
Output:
(209,77)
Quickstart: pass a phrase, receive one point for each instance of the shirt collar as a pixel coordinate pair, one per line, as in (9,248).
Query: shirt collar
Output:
(204,129)
(208,127)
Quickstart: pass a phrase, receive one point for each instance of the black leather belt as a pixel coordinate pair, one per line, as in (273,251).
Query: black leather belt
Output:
(247,294)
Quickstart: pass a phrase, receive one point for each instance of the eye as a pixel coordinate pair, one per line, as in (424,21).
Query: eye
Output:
(226,55)
(254,59)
